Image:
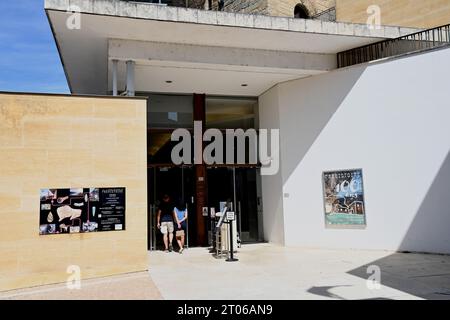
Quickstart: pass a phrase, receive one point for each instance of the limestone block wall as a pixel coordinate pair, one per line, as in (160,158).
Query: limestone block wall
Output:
(280,8)
(405,13)
(61,142)
(285,8)
(195,4)
(246,6)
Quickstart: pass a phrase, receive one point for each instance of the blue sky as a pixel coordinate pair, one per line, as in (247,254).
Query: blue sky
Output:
(29,59)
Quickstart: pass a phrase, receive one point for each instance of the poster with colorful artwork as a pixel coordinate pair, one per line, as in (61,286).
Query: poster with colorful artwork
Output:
(81,210)
(344,198)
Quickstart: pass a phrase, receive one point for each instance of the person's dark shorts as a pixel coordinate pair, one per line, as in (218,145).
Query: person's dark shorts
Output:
(183,226)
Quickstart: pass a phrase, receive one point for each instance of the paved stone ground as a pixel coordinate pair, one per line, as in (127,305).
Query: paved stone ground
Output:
(266,271)
(124,287)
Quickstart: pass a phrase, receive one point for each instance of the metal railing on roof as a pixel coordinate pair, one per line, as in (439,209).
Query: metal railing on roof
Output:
(326,15)
(416,42)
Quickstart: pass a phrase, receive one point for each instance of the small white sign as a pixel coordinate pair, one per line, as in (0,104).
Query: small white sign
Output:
(230,216)
(118,227)
(205,211)
(222,205)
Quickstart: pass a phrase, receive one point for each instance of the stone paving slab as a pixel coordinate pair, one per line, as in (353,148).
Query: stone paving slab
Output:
(266,271)
(133,286)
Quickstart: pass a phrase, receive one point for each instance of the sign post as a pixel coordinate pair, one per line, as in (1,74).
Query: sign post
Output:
(231,217)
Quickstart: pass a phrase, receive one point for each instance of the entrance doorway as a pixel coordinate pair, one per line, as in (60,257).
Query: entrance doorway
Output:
(201,187)
(239,186)
(178,183)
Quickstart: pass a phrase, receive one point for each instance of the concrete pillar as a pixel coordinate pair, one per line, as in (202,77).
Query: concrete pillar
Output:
(130,78)
(114,77)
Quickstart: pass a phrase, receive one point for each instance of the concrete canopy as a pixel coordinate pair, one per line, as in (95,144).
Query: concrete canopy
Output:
(180,50)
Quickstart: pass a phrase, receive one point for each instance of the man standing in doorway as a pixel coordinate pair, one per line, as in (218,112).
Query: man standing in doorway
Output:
(165,221)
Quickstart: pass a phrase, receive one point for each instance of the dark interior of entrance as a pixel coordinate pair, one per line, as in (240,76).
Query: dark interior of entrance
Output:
(201,186)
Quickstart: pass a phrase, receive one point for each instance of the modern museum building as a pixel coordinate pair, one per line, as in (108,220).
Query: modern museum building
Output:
(344,127)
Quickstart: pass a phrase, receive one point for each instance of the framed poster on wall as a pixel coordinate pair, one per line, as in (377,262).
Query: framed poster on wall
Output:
(81,210)
(344,199)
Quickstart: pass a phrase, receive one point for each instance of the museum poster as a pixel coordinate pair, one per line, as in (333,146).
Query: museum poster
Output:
(81,210)
(344,198)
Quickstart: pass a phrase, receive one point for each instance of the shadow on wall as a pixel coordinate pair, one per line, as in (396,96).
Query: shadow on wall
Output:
(426,230)
(314,116)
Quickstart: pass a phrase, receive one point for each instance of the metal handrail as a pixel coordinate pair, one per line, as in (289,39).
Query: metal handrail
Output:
(416,42)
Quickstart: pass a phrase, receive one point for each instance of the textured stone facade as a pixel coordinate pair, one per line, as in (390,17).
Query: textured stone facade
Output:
(61,142)
(403,13)
(279,8)
(245,6)
(195,4)
(285,8)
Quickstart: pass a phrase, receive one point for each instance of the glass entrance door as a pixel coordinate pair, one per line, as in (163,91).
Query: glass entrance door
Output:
(240,186)
(248,204)
(178,183)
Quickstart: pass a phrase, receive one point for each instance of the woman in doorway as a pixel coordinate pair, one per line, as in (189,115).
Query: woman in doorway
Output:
(181,215)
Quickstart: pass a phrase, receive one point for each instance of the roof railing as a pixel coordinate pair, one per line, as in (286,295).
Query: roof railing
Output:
(416,42)
(326,15)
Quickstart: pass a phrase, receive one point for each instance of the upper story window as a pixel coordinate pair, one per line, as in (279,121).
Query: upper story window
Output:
(301,12)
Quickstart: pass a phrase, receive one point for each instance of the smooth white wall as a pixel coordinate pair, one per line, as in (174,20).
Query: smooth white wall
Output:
(273,219)
(392,120)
